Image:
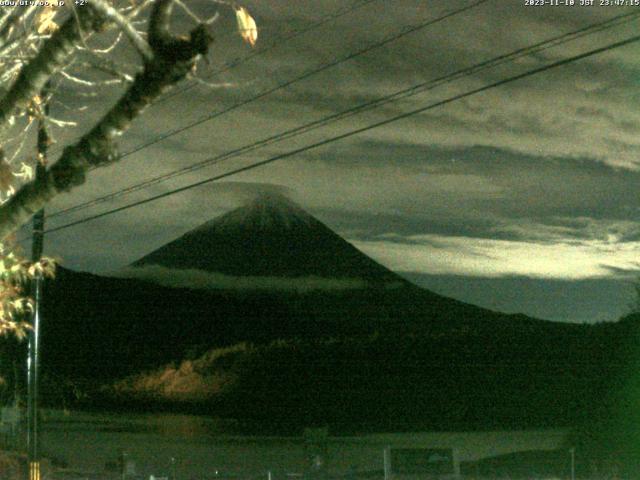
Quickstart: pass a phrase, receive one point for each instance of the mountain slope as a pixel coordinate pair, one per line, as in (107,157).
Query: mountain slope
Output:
(133,324)
(270,237)
(421,355)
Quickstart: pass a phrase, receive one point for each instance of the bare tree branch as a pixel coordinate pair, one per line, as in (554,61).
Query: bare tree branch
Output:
(173,58)
(90,83)
(16,17)
(159,34)
(106,50)
(125,24)
(108,66)
(53,55)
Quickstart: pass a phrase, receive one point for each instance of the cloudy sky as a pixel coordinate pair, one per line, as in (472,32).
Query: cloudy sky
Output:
(523,198)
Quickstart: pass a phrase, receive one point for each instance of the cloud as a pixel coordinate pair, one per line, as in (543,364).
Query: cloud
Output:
(540,115)
(372,188)
(570,230)
(199,279)
(542,171)
(589,300)
(485,257)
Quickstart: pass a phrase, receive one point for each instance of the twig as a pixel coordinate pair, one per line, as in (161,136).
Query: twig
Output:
(109,67)
(116,17)
(106,50)
(52,56)
(90,83)
(173,58)
(16,17)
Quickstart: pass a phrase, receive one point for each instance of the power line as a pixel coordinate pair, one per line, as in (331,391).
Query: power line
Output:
(356,131)
(416,89)
(295,33)
(391,38)
(254,53)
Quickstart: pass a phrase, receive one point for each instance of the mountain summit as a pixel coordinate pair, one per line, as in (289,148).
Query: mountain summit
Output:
(269,237)
(427,358)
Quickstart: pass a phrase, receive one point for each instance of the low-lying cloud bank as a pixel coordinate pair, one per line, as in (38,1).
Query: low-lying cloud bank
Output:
(200,279)
(572,259)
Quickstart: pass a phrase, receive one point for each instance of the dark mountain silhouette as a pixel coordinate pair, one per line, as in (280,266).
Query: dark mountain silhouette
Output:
(380,349)
(270,237)
(131,323)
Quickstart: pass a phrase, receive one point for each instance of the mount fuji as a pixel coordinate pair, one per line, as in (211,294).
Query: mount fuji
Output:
(270,237)
(263,272)
(321,321)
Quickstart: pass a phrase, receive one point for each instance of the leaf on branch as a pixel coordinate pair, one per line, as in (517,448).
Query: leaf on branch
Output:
(44,20)
(25,172)
(48,266)
(246,26)
(19,329)
(34,109)
(17,268)
(45,267)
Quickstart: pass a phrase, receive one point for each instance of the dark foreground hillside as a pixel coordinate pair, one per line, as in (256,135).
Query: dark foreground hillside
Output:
(457,381)
(585,379)
(267,316)
(387,359)
(390,357)
(106,328)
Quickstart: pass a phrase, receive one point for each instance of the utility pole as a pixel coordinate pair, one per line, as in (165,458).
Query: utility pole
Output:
(33,361)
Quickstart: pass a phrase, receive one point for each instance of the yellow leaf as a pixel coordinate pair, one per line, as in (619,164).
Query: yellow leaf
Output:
(26,173)
(44,21)
(247,26)
(34,109)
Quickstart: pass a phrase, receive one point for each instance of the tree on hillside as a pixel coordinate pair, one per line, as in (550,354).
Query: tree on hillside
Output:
(55,46)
